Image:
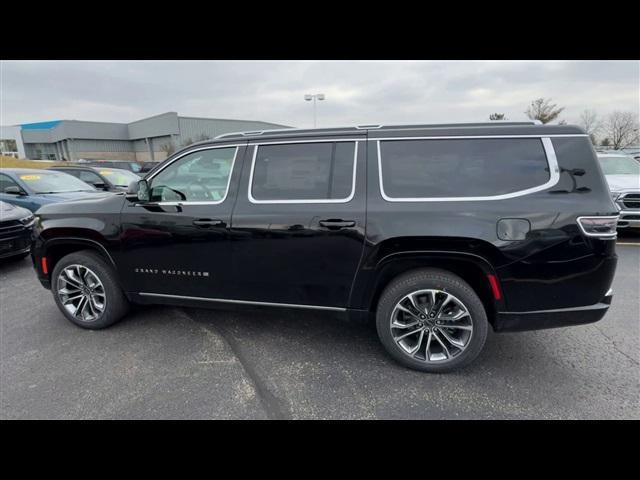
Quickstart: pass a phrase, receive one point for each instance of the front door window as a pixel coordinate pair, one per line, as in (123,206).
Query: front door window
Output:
(201,176)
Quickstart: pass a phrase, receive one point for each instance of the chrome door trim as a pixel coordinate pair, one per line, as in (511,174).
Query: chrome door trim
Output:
(243,302)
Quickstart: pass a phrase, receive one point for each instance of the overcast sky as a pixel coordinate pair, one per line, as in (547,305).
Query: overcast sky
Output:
(356,92)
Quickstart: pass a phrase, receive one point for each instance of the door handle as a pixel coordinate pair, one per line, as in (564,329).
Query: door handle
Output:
(207,222)
(337,224)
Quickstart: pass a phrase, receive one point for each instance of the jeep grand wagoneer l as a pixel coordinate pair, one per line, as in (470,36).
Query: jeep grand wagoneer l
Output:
(437,231)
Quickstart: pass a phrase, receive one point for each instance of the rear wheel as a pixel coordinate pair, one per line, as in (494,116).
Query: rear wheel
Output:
(431,320)
(86,290)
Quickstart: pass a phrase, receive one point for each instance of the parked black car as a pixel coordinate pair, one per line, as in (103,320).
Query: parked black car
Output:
(101,178)
(439,231)
(16,225)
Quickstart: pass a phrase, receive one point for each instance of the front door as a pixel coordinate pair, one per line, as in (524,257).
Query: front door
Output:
(298,226)
(178,242)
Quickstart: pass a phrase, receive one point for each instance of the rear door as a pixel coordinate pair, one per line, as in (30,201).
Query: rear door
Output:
(299,222)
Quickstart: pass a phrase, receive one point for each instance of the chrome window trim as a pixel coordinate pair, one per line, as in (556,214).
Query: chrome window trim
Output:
(473,137)
(309,140)
(243,302)
(288,201)
(552,161)
(187,202)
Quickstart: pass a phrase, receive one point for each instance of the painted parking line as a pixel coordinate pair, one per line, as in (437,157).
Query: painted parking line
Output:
(628,243)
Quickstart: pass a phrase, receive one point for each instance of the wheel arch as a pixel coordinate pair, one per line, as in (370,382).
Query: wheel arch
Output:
(56,248)
(473,269)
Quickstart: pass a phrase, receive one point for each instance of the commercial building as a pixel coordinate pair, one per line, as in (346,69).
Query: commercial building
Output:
(149,139)
(11,142)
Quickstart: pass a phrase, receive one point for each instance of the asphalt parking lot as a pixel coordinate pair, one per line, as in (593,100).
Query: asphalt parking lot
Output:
(219,364)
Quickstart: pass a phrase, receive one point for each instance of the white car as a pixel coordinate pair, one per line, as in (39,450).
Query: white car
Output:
(623,176)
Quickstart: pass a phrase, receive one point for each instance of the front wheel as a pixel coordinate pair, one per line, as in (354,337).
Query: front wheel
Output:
(431,320)
(86,290)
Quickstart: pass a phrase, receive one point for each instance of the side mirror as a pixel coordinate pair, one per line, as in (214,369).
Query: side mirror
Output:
(139,189)
(13,190)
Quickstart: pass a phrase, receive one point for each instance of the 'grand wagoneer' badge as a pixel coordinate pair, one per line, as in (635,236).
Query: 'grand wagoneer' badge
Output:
(165,271)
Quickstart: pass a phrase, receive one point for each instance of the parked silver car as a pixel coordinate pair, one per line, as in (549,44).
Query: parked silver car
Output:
(623,176)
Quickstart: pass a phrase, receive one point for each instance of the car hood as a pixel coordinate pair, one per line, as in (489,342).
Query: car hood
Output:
(95,202)
(12,212)
(618,183)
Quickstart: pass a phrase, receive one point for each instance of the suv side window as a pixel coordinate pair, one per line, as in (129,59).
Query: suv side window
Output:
(303,172)
(461,168)
(201,176)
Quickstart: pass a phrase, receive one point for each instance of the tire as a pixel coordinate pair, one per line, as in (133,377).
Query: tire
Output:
(101,285)
(415,289)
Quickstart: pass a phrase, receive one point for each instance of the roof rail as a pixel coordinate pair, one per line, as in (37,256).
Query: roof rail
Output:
(370,127)
(255,132)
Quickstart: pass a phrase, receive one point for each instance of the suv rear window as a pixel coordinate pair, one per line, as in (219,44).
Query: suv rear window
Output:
(304,172)
(461,168)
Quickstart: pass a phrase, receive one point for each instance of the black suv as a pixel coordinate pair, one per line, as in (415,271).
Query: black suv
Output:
(437,231)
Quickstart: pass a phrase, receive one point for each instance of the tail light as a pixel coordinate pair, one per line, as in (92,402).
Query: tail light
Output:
(604,227)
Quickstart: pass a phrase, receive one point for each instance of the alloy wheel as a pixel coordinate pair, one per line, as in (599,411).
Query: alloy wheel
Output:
(81,293)
(431,325)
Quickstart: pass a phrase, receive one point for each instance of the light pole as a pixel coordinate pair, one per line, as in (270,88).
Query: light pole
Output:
(314,97)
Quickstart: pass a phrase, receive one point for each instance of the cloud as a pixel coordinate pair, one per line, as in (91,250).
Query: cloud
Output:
(357,92)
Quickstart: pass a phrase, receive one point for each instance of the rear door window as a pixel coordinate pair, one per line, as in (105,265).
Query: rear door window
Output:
(461,168)
(303,172)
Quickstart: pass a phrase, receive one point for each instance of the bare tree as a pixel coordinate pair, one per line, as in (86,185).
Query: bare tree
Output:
(590,122)
(621,129)
(497,116)
(542,109)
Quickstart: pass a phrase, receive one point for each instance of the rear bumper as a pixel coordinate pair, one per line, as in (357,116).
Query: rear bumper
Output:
(542,319)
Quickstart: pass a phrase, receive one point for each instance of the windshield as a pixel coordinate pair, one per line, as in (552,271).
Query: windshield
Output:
(120,178)
(619,165)
(54,182)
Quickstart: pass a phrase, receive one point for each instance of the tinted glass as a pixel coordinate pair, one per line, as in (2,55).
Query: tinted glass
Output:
(462,168)
(304,171)
(196,177)
(86,176)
